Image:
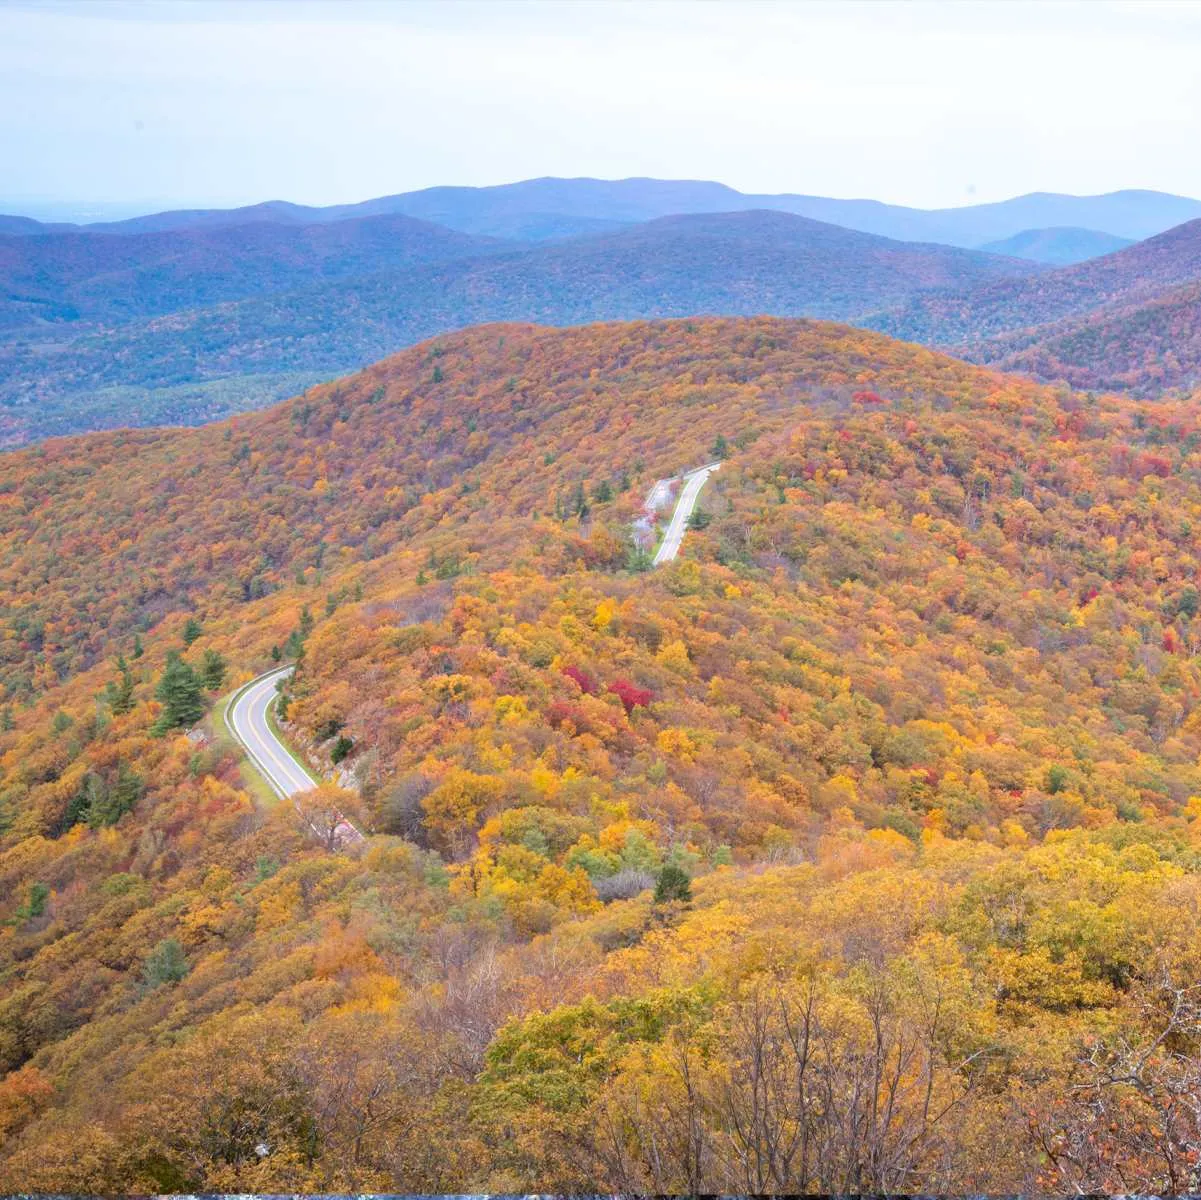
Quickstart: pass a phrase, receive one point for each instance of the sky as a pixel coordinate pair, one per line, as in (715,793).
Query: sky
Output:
(134,106)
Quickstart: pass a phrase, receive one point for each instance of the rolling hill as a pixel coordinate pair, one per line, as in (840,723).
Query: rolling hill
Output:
(967,316)
(95,277)
(549,208)
(183,365)
(890,783)
(1058,246)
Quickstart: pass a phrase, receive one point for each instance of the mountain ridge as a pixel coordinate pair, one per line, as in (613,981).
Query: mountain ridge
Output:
(500,210)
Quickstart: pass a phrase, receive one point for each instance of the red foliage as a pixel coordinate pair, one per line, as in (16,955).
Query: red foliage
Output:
(582,680)
(629,694)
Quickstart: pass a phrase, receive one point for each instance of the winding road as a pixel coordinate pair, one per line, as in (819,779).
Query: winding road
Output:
(246,718)
(678,526)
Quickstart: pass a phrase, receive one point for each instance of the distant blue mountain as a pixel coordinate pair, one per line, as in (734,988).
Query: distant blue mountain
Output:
(1058,247)
(549,209)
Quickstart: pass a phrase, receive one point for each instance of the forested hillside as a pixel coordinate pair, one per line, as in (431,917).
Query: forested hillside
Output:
(1124,321)
(857,850)
(102,278)
(350,292)
(1147,347)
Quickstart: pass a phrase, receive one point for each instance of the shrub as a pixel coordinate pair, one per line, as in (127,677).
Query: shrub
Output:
(625,885)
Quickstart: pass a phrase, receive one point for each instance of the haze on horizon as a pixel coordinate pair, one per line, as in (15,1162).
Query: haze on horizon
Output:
(197,103)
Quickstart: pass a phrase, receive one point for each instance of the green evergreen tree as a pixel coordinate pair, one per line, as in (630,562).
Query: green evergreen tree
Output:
(602,493)
(672,884)
(721,448)
(138,649)
(7,722)
(191,631)
(212,670)
(579,502)
(119,693)
(306,622)
(180,693)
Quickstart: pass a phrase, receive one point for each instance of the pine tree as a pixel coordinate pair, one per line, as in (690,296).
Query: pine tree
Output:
(672,884)
(191,631)
(119,692)
(212,670)
(138,649)
(181,696)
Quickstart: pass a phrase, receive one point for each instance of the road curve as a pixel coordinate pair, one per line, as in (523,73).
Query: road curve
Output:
(246,718)
(678,526)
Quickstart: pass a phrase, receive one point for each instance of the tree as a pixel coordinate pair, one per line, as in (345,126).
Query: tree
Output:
(191,631)
(672,884)
(330,814)
(180,693)
(342,748)
(166,963)
(721,448)
(119,692)
(212,670)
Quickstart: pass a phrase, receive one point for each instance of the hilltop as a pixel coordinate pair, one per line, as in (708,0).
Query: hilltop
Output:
(1058,246)
(901,754)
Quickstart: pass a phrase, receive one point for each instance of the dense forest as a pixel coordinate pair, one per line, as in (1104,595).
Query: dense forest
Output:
(1126,321)
(859,849)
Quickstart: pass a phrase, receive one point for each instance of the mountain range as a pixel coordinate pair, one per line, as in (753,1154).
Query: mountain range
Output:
(537,209)
(188,316)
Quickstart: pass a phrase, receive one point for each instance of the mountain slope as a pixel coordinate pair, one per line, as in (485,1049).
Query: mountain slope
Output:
(741,263)
(965,317)
(898,765)
(1145,348)
(1057,246)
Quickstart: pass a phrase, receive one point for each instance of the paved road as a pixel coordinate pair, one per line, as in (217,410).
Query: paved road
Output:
(247,720)
(678,526)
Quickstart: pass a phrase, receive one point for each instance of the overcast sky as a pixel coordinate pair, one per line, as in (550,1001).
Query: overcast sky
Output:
(173,102)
